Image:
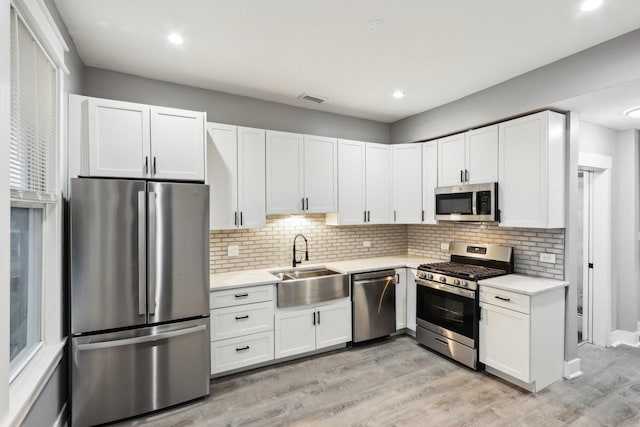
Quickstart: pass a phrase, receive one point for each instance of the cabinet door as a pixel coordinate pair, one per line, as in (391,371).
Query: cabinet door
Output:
(522,182)
(222,175)
(295,332)
(177,144)
(378,183)
(407,183)
(251,178)
(482,155)
(119,139)
(429,181)
(351,182)
(284,172)
(320,174)
(451,160)
(333,324)
(411,299)
(504,341)
(401,298)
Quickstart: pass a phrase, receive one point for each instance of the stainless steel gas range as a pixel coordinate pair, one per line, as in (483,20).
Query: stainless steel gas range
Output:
(447,308)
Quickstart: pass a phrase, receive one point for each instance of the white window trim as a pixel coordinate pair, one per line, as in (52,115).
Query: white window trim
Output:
(25,388)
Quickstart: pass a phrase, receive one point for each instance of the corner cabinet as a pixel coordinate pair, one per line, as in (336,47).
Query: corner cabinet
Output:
(236,176)
(531,178)
(305,329)
(401,298)
(128,140)
(522,336)
(407,183)
(301,173)
(412,300)
(429,181)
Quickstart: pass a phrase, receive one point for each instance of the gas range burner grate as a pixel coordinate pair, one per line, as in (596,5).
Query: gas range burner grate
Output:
(467,271)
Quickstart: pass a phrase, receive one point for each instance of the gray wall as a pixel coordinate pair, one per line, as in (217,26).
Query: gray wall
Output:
(230,109)
(55,394)
(605,65)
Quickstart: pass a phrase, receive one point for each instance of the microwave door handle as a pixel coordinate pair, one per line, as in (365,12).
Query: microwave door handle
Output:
(474,209)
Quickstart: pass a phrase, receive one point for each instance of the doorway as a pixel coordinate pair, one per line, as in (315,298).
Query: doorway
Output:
(585,256)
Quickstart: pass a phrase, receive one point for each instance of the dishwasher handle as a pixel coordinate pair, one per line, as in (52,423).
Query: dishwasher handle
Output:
(374,276)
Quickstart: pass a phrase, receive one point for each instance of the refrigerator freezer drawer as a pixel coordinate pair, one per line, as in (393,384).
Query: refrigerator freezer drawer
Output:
(123,374)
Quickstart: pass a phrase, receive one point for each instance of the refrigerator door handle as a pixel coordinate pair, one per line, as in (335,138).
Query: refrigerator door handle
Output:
(143,339)
(152,252)
(142,253)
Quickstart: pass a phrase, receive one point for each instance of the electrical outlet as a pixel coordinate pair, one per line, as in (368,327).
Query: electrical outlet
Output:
(444,246)
(233,250)
(550,258)
(366,244)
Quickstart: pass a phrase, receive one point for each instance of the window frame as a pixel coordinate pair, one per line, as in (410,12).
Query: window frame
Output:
(22,389)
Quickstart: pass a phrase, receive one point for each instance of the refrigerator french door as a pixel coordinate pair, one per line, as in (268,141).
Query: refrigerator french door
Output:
(139,296)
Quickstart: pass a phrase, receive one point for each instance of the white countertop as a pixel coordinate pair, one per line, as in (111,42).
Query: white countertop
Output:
(528,285)
(235,279)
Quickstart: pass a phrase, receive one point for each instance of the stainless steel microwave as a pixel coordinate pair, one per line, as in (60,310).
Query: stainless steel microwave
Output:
(476,202)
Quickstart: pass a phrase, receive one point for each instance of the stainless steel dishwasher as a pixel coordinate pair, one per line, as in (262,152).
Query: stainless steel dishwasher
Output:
(374,304)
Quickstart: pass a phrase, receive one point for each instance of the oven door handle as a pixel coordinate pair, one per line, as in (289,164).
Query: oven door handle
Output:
(446,288)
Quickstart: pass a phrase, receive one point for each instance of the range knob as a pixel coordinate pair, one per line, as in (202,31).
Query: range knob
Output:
(443,279)
(464,284)
(423,275)
(456,282)
(430,276)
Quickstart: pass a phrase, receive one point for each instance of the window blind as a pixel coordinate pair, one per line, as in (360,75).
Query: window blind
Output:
(33,126)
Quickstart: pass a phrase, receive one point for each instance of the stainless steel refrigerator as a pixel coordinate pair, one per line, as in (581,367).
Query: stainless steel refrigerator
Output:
(138,297)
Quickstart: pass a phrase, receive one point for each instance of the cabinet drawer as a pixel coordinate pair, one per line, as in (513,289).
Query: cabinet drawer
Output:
(238,296)
(241,320)
(506,299)
(239,352)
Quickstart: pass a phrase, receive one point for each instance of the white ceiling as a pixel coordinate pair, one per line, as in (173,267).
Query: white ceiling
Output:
(435,51)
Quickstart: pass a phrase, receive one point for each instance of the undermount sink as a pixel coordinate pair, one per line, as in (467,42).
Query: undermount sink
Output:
(310,286)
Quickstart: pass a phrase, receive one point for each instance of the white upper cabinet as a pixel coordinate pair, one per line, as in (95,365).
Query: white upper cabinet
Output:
(301,173)
(320,174)
(407,183)
(482,155)
(429,181)
(378,183)
(532,171)
(119,139)
(468,158)
(177,144)
(351,182)
(130,140)
(236,176)
(451,160)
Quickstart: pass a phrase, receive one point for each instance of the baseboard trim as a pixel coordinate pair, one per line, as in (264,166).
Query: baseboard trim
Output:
(620,337)
(572,369)
(63,417)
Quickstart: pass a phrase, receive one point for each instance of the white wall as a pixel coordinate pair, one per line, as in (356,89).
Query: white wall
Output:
(4,208)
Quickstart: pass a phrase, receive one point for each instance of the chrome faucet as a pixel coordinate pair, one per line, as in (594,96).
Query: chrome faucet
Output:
(306,250)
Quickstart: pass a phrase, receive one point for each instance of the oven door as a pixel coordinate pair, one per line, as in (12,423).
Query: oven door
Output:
(447,310)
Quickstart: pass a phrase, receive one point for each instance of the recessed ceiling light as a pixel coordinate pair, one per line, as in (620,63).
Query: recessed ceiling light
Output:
(398,94)
(375,25)
(589,5)
(633,112)
(175,38)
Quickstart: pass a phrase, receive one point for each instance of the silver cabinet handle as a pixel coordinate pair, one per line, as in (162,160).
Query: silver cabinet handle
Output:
(365,216)
(314,318)
(466,175)
(368,216)
(235,218)
(152,252)
(139,340)
(302,202)
(241,222)
(142,254)
(154,165)
(394,216)
(318,317)
(461,175)
(146,165)
(307,202)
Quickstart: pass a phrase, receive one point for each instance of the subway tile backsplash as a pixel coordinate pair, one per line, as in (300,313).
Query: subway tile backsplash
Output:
(271,246)
(528,243)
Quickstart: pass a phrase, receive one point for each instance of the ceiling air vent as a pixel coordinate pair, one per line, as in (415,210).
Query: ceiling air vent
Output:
(312,98)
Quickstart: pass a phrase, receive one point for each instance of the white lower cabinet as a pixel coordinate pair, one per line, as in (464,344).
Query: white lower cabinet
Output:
(522,336)
(241,327)
(301,330)
(401,298)
(411,299)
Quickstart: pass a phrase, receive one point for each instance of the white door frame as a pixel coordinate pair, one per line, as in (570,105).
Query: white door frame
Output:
(587,255)
(601,274)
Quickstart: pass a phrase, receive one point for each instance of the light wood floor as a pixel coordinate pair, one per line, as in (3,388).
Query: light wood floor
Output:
(399,383)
